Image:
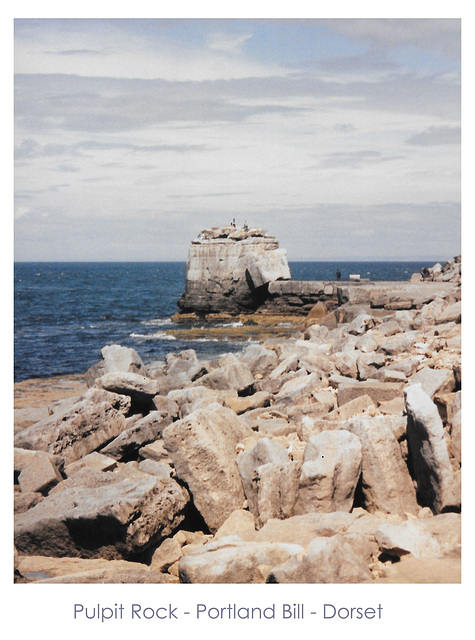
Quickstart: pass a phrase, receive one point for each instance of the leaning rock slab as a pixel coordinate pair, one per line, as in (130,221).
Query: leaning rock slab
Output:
(428,452)
(386,483)
(203,449)
(75,433)
(101,514)
(265,451)
(144,431)
(40,475)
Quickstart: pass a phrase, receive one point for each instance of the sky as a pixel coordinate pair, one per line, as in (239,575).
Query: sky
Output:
(341,137)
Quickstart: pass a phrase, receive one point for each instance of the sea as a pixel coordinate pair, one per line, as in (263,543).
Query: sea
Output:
(66,312)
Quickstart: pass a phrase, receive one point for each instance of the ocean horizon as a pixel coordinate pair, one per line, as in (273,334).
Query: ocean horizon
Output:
(66,312)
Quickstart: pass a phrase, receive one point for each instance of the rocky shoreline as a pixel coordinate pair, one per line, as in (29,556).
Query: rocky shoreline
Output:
(331,454)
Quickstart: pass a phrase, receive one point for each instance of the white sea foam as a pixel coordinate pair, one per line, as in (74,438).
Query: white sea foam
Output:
(156,322)
(232,324)
(159,335)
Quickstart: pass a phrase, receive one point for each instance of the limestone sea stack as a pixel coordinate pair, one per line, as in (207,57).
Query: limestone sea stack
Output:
(229,270)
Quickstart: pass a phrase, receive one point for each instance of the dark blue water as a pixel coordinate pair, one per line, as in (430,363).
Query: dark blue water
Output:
(66,312)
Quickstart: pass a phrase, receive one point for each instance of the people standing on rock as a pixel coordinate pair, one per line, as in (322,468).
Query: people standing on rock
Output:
(233,223)
(338,274)
(246,228)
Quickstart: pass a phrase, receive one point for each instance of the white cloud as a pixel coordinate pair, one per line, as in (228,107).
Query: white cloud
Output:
(227,43)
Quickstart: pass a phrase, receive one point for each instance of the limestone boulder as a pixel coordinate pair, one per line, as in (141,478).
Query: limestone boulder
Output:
(240,523)
(126,445)
(360,324)
(75,433)
(203,449)
(185,362)
(423,538)
(115,358)
(452,313)
(408,537)
(266,451)
(386,483)
(456,436)
(330,473)
(350,409)
(230,560)
(348,389)
(93,460)
(40,474)
(119,401)
(428,453)
(261,361)
(236,376)
(368,363)
(168,407)
(277,487)
(102,514)
(198,397)
(247,403)
(435,381)
(398,344)
(346,363)
(327,560)
(427,316)
(140,388)
(169,552)
(300,388)
(22,501)
(24,457)
(302,529)
(285,365)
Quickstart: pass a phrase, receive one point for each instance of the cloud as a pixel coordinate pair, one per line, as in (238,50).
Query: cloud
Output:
(354,159)
(439,35)
(227,43)
(435,136)
(29,148)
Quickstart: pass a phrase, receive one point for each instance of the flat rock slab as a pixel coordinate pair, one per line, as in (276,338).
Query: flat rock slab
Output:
(328,560)
(377,391)
(101,514)
(230,560)
(304,528)
(138,387)
(47,570)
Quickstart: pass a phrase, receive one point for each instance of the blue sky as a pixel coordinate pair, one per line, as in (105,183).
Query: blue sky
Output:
(341,136)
